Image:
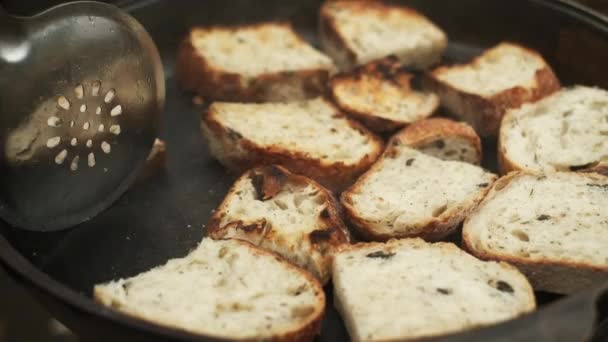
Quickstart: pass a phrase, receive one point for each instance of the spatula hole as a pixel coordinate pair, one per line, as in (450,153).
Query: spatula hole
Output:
(89,143)
(105,147)
(79,91)
(101,128)
(74,142)
(83,108)
(98,110)
(109,96)
(95,88)
(54,121)
(115,129)
(86,126)
(53,142)
(63,102)
(91,159)
(74,164)
(116,111)
(60,157)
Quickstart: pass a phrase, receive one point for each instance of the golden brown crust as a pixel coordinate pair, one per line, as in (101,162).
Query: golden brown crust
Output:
(485,113)
(427,131)
(372,75)
(306,332)
(269,181)
(435,229)
(545,275)
(240,154)
(195,74)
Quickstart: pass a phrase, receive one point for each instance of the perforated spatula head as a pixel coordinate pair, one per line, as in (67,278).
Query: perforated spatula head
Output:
(81,93)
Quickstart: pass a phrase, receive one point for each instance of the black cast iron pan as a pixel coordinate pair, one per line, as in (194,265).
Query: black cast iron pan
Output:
(164,216)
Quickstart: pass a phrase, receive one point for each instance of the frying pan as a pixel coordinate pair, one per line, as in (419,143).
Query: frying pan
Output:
(164,216)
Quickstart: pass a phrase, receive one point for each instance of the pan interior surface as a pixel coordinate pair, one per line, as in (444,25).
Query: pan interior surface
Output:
(164,216)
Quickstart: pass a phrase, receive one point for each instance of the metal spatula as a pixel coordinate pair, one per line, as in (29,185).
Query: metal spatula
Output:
(81,92)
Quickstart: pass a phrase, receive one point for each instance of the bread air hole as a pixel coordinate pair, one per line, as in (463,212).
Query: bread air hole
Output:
(521,235)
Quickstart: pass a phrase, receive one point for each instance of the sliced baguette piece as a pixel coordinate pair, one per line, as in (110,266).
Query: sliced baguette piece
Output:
(503,77)
(553,226)
(567,131)
(251,63)
(286,213)
(410,194)
(408,289)
(444,139)
(358,32)
(224,289)
(312,138)
(379,95)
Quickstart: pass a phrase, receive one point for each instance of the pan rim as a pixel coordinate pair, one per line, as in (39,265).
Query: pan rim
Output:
(22,270)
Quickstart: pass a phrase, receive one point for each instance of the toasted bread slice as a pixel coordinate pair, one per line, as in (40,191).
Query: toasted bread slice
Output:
(567,131)
(380,96)
(311,138)
(444,139)
(358,32)
(503,77)
(285,213)
(224,289)
(553,226)
(409,289)
(252,63)
(411,194)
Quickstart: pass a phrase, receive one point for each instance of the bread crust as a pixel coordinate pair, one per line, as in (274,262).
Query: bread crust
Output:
(426,131)
(307,331)
(436,228)
(195,74)
(239,154)
(337,46)
(485,113)
(506,165)
(561,277)
(386,69)
(331,235)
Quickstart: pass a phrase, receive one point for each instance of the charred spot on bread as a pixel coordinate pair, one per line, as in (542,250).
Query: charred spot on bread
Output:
(268,183)
(444,291)
(320,235)
(380,255)
(575,168)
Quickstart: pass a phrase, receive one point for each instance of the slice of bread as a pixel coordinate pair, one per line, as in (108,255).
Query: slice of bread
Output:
(224,289)
(358,32)
(311,138)
(251,63)
(567,131)
(503,77)
(444,139)
(380,96)
(285,213)
(553,226)
(411,194)
(409,289)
